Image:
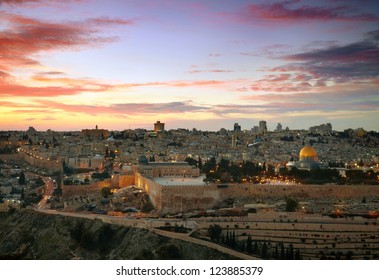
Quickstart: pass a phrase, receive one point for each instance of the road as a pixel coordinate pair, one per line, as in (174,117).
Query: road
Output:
(48,192)
(149,225)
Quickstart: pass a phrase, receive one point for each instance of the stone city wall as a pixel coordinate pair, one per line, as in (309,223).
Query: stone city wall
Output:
(301,191)
(84,190)
(52,165)
(153,189)
(123,180)
(117,181)
(11,157)
(175,199)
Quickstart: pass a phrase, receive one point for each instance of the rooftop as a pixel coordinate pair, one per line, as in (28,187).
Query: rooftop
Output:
(180,181)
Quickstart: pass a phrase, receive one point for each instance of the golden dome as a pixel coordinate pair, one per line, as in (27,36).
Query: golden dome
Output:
(308,153)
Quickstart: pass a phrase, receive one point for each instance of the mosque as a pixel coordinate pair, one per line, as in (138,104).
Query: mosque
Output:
(308,160)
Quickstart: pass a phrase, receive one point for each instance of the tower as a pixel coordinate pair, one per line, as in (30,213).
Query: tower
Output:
(158,127)
(262,127)
(237,127)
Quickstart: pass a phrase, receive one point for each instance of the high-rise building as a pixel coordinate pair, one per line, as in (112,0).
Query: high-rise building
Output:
(262,127)
(159,127)
(279,127)
(237,127)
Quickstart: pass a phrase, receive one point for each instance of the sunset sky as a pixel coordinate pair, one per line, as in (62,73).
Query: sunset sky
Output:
(74,64)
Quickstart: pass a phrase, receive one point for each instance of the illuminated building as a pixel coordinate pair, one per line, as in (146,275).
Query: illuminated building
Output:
(159,127)
(96,133)
(308,159)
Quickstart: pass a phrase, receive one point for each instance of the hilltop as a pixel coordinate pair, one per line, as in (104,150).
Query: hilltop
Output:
(31,235)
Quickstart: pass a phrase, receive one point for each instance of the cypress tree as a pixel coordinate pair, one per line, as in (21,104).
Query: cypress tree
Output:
(276,254)
(255,250)
(21,179)
(264,252)
(282,254)
(249,245)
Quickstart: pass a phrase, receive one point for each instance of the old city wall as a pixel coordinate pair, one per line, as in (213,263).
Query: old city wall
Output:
(43,163)
(302,191)
(11,157)
(117,181)
(122,180)
(153,189)
(83,190)
(176,199)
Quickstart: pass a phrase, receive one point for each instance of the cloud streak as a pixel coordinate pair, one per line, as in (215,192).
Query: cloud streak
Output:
(25,37)
(125,108)
(290,11)
(321,69)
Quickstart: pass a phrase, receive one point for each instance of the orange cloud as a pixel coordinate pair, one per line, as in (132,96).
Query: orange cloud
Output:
(26,36)
(20,90)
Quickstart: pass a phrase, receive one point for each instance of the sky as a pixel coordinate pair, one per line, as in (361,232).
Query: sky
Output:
(75,64)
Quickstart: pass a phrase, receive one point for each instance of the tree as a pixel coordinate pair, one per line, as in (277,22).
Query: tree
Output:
(276,254)
(264,253)
(214,232)
(191,161)
(21,179)
(233,240)
(57,191)
(291,205)
(199,163)
(224,164)
(22,194)
(249,245)
(282,254)
(106,192)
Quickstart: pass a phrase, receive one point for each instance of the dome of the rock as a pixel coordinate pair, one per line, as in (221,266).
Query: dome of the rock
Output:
(308,153)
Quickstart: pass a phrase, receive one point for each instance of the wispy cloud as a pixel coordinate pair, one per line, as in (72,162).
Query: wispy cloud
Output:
(318,69)
(23,2)
(358,60)
(48,91)
(17,2)
(210,71)
(293,11)
(111,21)
(125,108)
(26,36)
(214,54)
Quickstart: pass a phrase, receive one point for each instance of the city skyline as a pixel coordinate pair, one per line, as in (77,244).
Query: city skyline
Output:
(203,64)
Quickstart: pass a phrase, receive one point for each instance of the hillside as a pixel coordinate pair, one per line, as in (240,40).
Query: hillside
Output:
(30,235)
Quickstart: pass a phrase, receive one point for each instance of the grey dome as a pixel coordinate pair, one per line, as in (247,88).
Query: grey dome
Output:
(142,160)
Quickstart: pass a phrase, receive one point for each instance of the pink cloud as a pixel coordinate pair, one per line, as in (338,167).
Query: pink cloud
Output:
(27,36)
(124,109)
(210,71)
(19,90)
(287,11)
(112,21)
